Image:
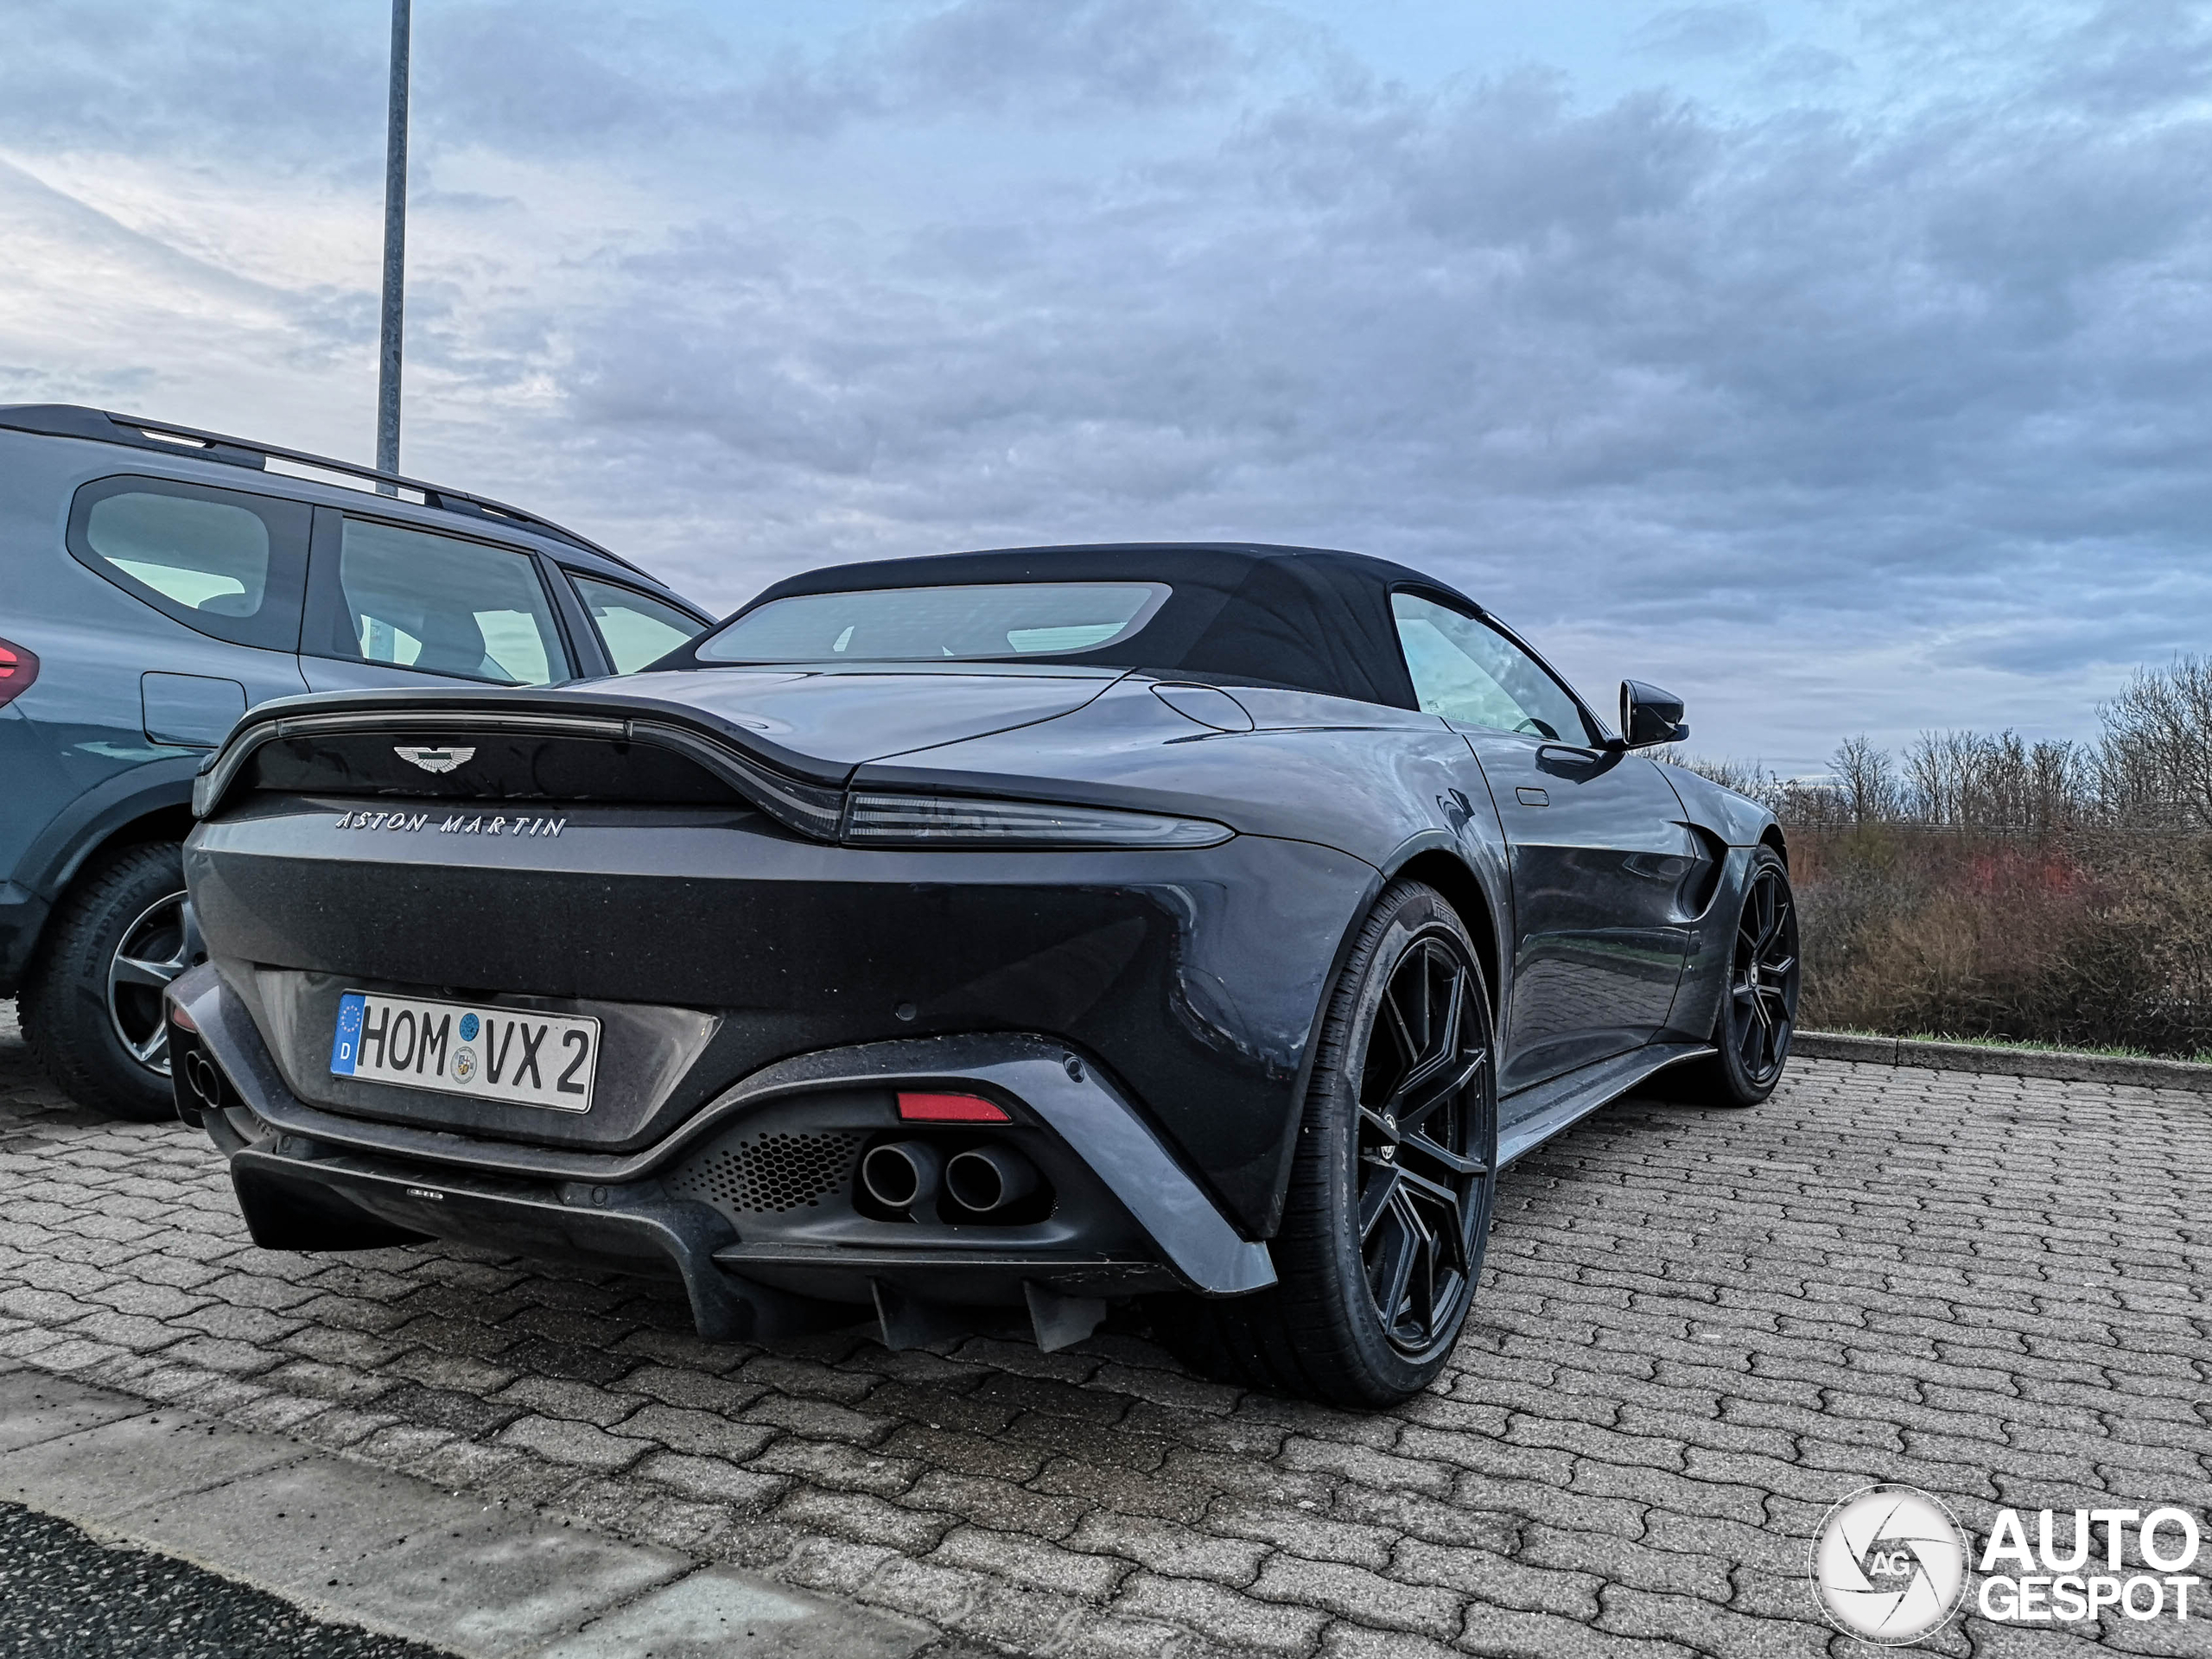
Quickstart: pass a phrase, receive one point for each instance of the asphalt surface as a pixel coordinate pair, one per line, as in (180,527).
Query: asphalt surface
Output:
(66,1595)
(1697,1331)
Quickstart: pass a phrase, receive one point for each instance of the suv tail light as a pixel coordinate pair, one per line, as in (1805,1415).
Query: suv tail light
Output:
(18,668)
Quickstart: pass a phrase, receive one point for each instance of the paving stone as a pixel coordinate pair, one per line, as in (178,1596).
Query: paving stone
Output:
(566,1398)
(996,1503)
(711,1478)
(865,1519)
(1177,1551)
(561,1440)
(1365,1598)
(1027,1560)
(1228,1617)
(691,1390)
(832,1462)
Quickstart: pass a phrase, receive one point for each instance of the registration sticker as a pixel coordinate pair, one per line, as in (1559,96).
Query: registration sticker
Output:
(513,1055)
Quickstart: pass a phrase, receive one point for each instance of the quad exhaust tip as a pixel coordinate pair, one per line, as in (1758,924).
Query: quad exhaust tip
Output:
(909,1175)
(904,1175)
(985,1179)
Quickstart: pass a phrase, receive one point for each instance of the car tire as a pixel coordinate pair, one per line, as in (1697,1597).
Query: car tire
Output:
(95,989)
(1384,1207)
(1758,1001)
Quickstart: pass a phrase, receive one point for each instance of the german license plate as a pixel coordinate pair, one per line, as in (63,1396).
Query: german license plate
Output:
(458,1048)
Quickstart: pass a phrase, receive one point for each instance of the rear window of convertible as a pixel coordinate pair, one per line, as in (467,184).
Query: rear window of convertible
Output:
(1011,619)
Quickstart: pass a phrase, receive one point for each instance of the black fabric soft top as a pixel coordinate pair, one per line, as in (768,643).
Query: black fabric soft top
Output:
(1239,612)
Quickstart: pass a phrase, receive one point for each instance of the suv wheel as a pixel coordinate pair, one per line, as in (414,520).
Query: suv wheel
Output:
(92,1007)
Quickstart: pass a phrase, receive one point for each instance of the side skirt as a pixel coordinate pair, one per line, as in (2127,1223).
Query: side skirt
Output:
(1541,1110)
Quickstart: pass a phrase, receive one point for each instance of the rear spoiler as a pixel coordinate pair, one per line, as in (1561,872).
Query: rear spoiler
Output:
(814,809)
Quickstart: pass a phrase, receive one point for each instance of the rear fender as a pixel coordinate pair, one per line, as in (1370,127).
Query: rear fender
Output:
(156,799)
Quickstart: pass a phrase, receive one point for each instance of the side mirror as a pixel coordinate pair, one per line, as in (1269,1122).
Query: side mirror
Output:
(1650,715)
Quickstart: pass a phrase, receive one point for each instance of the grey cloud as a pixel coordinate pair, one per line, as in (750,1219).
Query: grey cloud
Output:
(1133,54)
(271,77)
(1802,375)
(259,78)
(1703,32)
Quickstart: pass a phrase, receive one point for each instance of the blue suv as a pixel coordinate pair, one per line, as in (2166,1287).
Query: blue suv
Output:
(156,581)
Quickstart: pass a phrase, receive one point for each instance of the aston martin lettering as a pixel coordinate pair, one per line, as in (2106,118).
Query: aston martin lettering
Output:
(442,759)
(460,823)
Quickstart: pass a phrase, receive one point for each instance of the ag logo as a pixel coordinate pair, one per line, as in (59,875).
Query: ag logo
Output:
(1889,1565)
(434,759)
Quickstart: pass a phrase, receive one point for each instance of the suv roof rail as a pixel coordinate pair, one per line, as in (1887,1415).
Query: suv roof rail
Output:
(75,420)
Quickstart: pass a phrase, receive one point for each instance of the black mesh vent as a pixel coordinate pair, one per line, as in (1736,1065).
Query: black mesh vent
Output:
(770,1174)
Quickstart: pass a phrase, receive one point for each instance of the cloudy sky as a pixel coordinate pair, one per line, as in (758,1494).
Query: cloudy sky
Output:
(1842,367)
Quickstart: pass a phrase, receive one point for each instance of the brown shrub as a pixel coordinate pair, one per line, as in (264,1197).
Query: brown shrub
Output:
(2093,938)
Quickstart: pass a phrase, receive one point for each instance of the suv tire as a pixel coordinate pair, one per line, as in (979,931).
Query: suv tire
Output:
(68,1016)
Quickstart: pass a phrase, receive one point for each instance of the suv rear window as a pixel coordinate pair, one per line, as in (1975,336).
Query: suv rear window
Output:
(225,563)
(982,620)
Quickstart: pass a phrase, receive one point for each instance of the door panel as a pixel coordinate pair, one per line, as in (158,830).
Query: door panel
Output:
(1599,864)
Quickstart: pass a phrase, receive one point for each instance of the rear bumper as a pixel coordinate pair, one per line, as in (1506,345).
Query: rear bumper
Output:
(1196,976)
(1127,1217)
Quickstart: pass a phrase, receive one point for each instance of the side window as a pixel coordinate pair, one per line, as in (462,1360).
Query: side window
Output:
(440,604)
(635,628)
(228,564)
(1468,671)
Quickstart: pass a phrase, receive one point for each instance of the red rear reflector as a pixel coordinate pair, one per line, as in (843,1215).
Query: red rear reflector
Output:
(950,1108)
(178,1017)
(18,668)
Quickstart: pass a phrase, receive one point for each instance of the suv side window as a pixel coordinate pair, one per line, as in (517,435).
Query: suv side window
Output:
(636,628)
(1467,671)
(438,604)
(230,565)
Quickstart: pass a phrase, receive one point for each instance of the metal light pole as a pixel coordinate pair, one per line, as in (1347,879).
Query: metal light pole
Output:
(395,249)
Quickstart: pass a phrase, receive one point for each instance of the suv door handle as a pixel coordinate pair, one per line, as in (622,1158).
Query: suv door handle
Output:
(1528,797)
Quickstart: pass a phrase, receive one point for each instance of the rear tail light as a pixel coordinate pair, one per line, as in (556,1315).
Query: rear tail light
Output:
(18,668)
(886,820)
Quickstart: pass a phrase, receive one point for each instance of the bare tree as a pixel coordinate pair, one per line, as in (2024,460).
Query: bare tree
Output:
(2154,766)
(1866,781)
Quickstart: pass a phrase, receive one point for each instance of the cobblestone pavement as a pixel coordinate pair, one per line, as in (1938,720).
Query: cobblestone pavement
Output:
(1698,1330)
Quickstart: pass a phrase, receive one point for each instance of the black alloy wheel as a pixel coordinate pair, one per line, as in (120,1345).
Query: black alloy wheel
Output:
(1758,1001)
(1423,1171)
(1389,1208)
(92,1004)
(1763,977)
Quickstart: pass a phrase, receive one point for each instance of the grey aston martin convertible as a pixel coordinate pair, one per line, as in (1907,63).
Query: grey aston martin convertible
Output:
(1025,930)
